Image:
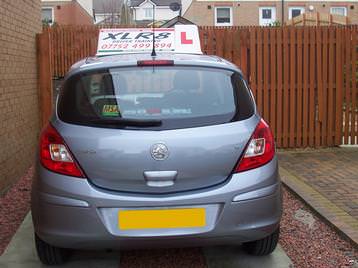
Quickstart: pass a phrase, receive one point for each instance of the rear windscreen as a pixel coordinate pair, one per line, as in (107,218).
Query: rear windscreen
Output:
(178,96)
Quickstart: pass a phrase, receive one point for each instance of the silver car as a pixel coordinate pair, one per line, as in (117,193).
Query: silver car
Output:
(167,151)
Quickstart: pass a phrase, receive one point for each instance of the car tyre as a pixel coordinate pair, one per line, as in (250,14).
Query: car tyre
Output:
(264,246)
(50,255)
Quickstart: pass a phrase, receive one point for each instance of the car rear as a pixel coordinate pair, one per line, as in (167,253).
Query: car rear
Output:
(165,152)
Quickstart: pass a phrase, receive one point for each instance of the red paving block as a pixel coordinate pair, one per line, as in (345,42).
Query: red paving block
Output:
(331,172)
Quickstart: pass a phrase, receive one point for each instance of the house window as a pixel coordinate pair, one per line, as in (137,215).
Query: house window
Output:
(295,11)
(148,13)
(223,16)
(47,15)
(339,11)
(267,15)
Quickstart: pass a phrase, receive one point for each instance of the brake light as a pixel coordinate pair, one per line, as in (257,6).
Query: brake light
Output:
(260,150)
(155,63)
(55,155)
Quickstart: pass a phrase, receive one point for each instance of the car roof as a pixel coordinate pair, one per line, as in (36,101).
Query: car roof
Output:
(131,59)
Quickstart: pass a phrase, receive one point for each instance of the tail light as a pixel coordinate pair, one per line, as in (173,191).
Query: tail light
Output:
(155,63)
(55,155)
(260,150)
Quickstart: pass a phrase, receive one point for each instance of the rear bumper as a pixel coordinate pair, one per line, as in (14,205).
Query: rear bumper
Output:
(72,213)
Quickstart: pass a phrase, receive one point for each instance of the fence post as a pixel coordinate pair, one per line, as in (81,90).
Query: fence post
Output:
(243,51)
(339,87)
(44,75)
(318,23)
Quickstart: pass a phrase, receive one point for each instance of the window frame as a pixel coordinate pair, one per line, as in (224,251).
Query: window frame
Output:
(52,13)
(343,7)
(290,9)
(216,23)
(273,14)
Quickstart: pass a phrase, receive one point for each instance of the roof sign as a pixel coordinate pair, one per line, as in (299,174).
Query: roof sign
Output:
(180,39)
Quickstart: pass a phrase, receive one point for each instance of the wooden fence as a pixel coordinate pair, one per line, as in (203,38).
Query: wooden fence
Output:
(304,78)
(318,19)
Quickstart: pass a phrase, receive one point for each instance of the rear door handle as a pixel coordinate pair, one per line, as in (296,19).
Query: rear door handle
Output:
(160,178)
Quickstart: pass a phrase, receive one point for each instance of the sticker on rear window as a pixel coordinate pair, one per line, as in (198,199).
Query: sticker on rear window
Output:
(110,110)
(158,111)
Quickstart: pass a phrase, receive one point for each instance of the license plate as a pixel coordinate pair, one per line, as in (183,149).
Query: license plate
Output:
(161,218)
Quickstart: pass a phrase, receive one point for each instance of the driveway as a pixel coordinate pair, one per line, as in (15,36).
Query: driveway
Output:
(332,172)
(327,179)
(21,254)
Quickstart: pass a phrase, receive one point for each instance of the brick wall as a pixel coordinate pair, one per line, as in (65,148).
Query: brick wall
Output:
(20,20)
(69,13)
(246,13)
(72,14)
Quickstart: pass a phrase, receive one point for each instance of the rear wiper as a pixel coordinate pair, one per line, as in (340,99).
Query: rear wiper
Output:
(128,122)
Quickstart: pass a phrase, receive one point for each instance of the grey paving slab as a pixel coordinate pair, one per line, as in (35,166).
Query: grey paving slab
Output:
(230,257)
(21,253)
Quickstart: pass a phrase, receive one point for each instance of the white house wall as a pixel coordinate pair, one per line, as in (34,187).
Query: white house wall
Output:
(87,5)
(161,13)
(185,5)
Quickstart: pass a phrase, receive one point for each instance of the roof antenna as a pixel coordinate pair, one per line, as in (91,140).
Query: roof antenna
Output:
(154,54)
